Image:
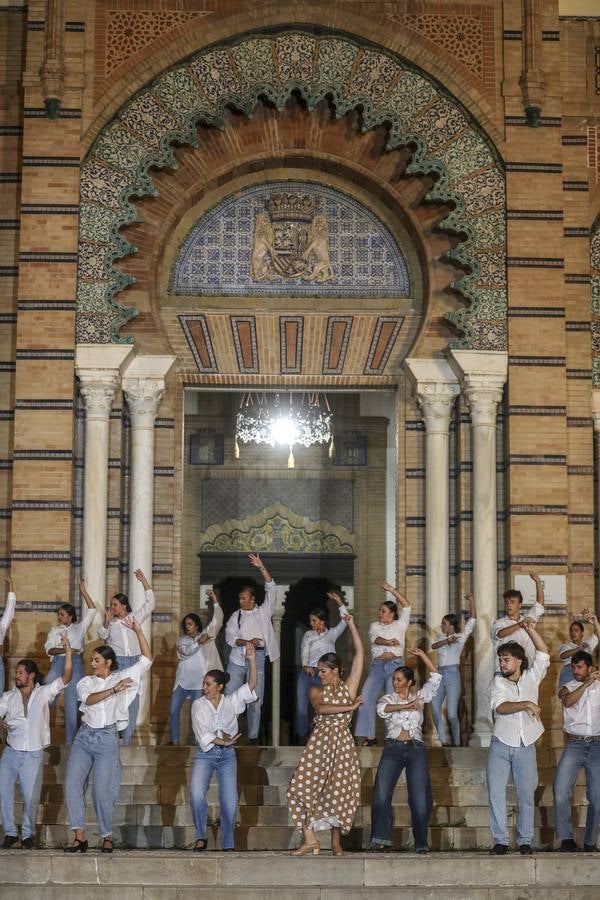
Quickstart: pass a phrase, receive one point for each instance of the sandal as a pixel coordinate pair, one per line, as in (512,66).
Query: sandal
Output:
(107,845)
(201,844)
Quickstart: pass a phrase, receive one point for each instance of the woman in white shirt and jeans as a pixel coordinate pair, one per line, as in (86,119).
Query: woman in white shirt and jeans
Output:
(197,654)
(54,647)
(104,700)
(214,720)
(387,637)
(402,712)
(450,645)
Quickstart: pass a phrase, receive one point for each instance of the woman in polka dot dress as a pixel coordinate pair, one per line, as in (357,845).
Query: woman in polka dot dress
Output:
(325,789)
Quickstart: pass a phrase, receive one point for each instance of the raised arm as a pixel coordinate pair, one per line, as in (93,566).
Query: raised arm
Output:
(84,593)
(251,657)
(353,680)
(539,588)
(9,609)
(147,607)
(538,642)
(470,598)
(214,626)
(399,597)
(257,562)
(68,670)
(134,625)
(420,654)
(570,698)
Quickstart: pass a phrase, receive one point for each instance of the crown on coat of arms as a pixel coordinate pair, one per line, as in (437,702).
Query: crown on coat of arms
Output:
(281,207)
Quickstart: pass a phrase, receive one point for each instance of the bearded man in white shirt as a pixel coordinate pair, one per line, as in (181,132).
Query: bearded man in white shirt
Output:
(580,698)
(517,726)
(252,624)
(26,714)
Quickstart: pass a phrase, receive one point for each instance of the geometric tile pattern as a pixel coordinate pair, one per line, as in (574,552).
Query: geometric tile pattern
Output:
(384,337)
(198,337)
(336,344)
(416,110)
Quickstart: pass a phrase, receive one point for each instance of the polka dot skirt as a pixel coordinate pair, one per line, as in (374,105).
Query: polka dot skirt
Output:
(325,788)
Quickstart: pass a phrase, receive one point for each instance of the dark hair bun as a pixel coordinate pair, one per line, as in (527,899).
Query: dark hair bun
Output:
(226,678)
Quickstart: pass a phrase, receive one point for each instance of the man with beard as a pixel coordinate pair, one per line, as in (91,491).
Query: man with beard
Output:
(517,727)
(26,714)
(580,698)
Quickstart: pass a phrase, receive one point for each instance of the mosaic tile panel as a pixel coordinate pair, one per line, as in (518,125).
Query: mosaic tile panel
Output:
(595,300)
(388,91)
(219,254)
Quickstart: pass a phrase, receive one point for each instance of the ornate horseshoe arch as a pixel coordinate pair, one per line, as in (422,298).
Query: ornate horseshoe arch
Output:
(444,139)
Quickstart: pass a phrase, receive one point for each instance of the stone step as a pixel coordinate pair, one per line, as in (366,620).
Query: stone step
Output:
(162,875)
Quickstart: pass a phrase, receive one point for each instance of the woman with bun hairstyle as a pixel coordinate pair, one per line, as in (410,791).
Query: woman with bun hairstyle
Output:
(197,653)
(68,626)
(105,698)
(324,792)
(214,720)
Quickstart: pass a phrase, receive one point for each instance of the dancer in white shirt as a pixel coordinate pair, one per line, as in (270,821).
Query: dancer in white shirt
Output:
(580,698)
(517,727)
(402,712)
(26,714)
(387,637)
(450,645)
(316,642)
(252,624)
(6,620)
(577,642)
(214,720)
(197,653)
(511,626)
(76,632)
(123,640)
(105,698)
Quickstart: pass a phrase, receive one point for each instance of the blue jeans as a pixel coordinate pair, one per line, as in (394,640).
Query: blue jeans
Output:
(97,749)
(397,756)
(1,675)
(24,766)
(522,763)
(450,689)
(124,663)
(379,681)
(239,676)
(222,761)
(178,698)
(56,670)
(303,717)
(577,755)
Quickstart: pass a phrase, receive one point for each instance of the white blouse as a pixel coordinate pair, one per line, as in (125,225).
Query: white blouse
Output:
(123,640)
(410,721)
(113,710)
(583,718)
(396,629)
(589,645)
(195,659)
(315,644)
(29,730)
(449,654)
(210,722)
(76,633)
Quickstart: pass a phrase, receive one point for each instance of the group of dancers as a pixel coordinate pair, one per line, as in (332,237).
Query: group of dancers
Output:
(324,792)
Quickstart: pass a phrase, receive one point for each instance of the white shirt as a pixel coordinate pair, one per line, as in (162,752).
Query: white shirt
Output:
(31,730)
(196,659)
(583,718)
(210,722)
(113,710)
(76,633)
(316,644)
(254,623)
(411,720)
(519,636)
(588,645)
(396,629)
(123,640)
(8,615)
(519,728)
(449,654)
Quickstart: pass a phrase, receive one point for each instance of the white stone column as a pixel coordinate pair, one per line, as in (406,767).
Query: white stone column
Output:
(282,590)
(436,387)
(143,386)
(483,375)
(596,420)
(98,368)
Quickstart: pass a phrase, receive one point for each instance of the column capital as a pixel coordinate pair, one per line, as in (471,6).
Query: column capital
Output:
(144,385)
(98,368)
(97,389)
(596,410)
(436,387)
(482,374)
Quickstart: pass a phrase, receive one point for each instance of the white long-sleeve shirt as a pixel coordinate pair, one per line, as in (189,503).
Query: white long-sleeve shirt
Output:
(449,654)
(76,633)
(519,636)
(396,629)
(210,722)
(519,728)
(123,640)
(315,644)
(583,718)
(113,710)
(589,645)
(254,623)
(29,730)
(196,659)
(410,720)
(8,615)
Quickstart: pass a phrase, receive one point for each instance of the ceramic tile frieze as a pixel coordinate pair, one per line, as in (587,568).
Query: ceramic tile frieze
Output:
(445,142)
(595,300)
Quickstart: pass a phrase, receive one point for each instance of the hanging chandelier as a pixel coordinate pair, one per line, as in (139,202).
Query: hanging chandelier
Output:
(285,420)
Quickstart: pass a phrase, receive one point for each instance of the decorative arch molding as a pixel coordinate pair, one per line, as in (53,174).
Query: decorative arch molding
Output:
(595,300)
(387,91)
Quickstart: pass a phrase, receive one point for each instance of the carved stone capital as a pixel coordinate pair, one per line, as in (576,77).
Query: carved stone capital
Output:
(435,401)
(97,387)
(143,396)
(482,399)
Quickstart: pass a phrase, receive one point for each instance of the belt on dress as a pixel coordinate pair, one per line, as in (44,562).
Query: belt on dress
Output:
(587,739)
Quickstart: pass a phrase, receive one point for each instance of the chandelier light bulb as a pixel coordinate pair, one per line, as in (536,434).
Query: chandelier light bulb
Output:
(284,431)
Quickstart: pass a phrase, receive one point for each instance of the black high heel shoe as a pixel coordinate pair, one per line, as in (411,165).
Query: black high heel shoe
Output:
(76,847)
(107,845)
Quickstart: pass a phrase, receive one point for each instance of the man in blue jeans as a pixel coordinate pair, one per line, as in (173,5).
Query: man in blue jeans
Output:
(581,713)
(517,727)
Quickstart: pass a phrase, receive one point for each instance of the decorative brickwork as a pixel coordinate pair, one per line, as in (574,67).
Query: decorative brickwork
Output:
(129,31)
(460,36)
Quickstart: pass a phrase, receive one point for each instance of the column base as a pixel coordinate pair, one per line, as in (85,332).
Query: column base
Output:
(481,735)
